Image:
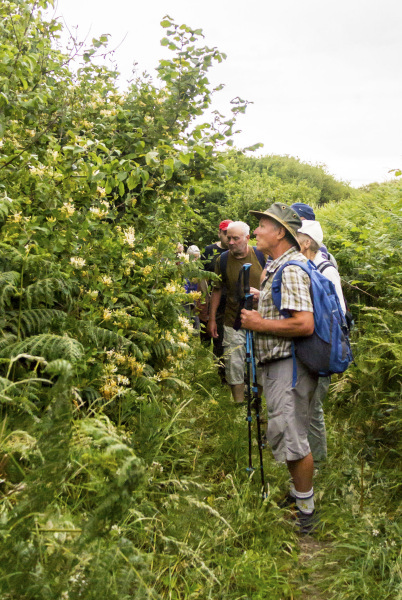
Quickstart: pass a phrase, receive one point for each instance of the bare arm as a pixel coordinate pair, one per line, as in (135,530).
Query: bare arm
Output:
(213,307)
(301,323)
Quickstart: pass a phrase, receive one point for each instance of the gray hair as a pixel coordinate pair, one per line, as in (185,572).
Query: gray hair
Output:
(243,226)
(314,247)
(192,250)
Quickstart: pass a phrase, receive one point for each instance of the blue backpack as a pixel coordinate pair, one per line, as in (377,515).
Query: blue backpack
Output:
(327,350)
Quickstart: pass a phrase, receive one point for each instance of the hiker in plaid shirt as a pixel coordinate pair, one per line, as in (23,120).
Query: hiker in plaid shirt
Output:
(289,408)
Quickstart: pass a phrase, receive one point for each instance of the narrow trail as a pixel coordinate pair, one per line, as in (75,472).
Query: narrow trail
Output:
(314,557)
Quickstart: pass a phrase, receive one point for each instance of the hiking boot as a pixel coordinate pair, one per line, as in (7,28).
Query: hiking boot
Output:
(307,523)
(287,502)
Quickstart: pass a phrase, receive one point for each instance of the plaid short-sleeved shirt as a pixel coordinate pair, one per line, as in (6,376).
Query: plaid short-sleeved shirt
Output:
(295,296)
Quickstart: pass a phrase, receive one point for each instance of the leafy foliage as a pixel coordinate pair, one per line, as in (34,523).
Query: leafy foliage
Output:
(121,456)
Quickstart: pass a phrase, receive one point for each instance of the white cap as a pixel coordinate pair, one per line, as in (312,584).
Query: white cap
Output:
(193,250)
(312,229)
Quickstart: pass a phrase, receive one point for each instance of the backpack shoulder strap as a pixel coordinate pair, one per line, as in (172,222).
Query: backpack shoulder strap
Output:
(277,282)
(260,256)
(324,265)
(223,263)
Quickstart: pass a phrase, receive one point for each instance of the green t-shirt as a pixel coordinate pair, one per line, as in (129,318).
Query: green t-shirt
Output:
(233,268)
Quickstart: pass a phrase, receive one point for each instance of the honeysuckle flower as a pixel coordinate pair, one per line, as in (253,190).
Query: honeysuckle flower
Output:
(96,211)
(77,262)
(106,280)
(68,208)
(129,236)
(15,218)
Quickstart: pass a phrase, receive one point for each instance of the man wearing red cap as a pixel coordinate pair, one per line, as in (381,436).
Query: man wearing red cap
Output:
(209,257)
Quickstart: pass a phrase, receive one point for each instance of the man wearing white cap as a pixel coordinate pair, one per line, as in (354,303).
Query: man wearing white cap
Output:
(310,237)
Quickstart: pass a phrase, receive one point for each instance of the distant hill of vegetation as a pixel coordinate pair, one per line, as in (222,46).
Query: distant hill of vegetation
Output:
(253,183)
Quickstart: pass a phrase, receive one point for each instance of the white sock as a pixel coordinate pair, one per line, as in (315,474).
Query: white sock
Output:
(292,489)
(305,501)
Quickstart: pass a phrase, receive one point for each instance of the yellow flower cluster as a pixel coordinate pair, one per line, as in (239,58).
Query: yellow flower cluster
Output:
(111,388)
(147,270)
(98,212)
(15,218)
(108,113)
(193,296)
(106,280)
(127,360)
(186,323)
(68,209)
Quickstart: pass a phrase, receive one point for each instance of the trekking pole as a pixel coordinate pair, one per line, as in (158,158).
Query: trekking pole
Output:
(249,418)
(257,407)
(250,359)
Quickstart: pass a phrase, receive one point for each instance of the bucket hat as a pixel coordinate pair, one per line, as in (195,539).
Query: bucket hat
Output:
(283,214)
(304,210)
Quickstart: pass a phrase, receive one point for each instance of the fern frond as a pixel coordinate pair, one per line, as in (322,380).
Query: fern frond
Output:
(60,366)
(161,349)
(10,256)
(35,320)
(43,290)
(11,393)
(104,338)
(8,282)
(48,345)
(134,301)
(7,340)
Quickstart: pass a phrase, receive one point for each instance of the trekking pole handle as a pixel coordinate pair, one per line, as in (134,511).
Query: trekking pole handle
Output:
(248,297)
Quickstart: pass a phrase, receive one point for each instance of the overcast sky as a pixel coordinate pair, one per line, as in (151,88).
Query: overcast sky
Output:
(324,76)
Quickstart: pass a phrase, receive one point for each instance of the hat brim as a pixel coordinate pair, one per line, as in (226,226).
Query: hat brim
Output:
(269,215)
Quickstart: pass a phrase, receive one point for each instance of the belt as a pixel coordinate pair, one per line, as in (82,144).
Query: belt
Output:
(273,360)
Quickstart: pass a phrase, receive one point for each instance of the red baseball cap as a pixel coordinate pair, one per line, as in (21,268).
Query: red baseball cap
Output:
(223,225)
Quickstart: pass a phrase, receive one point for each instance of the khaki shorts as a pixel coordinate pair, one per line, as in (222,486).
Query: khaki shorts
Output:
(234,348)
(289,409)
(234,354)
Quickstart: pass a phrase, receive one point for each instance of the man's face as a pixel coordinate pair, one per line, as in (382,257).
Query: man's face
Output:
(237,241)
(267,235)
(223,236)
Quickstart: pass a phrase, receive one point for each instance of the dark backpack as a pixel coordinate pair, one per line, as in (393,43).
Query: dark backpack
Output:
(327,350)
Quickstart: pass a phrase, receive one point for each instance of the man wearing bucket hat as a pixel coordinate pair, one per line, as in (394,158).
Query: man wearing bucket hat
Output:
(289,407)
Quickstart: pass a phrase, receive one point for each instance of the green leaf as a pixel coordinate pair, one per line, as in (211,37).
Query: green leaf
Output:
(184,158)
(152,158)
